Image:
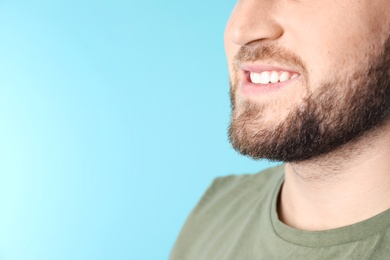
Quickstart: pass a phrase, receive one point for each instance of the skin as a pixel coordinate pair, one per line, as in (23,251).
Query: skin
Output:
(332,38)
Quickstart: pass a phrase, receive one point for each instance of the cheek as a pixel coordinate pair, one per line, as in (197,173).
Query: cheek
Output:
(336,43)
(338,63)
(327,59)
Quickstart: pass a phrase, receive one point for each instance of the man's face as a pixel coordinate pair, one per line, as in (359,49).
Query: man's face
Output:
(306,76)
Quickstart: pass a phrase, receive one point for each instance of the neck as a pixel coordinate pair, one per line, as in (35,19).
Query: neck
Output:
(339,189)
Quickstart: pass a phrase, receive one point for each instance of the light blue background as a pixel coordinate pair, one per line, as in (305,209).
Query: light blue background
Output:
(113,118)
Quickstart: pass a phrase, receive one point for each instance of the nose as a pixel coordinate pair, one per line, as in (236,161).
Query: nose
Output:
(253,20)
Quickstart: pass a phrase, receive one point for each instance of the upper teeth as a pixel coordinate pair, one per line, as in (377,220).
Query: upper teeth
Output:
(267,77)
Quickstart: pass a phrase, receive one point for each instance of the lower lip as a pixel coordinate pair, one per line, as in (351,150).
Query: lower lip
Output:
(251,89)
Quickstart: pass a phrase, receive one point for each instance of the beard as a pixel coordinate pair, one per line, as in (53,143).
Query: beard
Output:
(338,112)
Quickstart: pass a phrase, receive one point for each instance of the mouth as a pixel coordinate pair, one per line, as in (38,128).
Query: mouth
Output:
(271,77)
(260,79)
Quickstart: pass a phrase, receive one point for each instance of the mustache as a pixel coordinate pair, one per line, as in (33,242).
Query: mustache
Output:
(271,53)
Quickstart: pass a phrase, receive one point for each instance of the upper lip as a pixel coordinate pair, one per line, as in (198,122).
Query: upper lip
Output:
(259,68)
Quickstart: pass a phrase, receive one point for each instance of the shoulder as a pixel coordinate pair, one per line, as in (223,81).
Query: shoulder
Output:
(225,190)
(229,202)
(247,182)
(263,177)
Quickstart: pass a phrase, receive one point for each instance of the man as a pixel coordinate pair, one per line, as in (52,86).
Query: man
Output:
(310,87)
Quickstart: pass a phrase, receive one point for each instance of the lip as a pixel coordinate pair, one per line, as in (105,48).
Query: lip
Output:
(250,89)
(260,68)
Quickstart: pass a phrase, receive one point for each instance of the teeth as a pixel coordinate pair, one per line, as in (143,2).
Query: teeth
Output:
(267,77)
(255,78)
(274,77)
(284,76)
(264,77)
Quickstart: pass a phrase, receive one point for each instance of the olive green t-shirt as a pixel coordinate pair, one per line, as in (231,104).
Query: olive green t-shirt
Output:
(237,219)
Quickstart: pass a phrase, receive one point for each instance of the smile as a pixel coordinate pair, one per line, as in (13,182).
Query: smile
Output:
(267,77)
(261,79)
